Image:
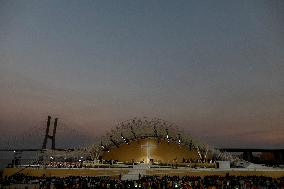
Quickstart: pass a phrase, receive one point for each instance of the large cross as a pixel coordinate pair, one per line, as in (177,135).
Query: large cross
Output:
(148,148)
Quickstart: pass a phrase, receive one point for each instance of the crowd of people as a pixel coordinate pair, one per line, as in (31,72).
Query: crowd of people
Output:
(108,164)
(64,165)
(145,182)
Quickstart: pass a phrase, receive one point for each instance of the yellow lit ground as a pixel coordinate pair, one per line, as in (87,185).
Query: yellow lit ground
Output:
(162,152)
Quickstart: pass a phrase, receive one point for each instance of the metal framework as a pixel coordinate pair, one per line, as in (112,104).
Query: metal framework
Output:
(142,128)
(135,129)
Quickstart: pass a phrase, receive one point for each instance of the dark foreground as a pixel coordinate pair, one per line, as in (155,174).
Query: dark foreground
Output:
(147,182)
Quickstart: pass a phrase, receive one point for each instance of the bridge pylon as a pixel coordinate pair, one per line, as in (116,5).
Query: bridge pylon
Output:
(47,136)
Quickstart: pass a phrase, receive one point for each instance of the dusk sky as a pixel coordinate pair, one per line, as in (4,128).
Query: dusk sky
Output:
(215,68)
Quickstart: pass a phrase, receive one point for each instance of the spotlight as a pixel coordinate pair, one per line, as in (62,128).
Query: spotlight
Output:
(179,139)
(102,145)
(167,136)
(124,139)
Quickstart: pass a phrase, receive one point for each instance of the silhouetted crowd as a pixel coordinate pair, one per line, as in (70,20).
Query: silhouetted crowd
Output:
(146,182)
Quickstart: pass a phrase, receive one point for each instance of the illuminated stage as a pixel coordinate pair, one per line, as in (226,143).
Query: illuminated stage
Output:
(142,147)
(151,150)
